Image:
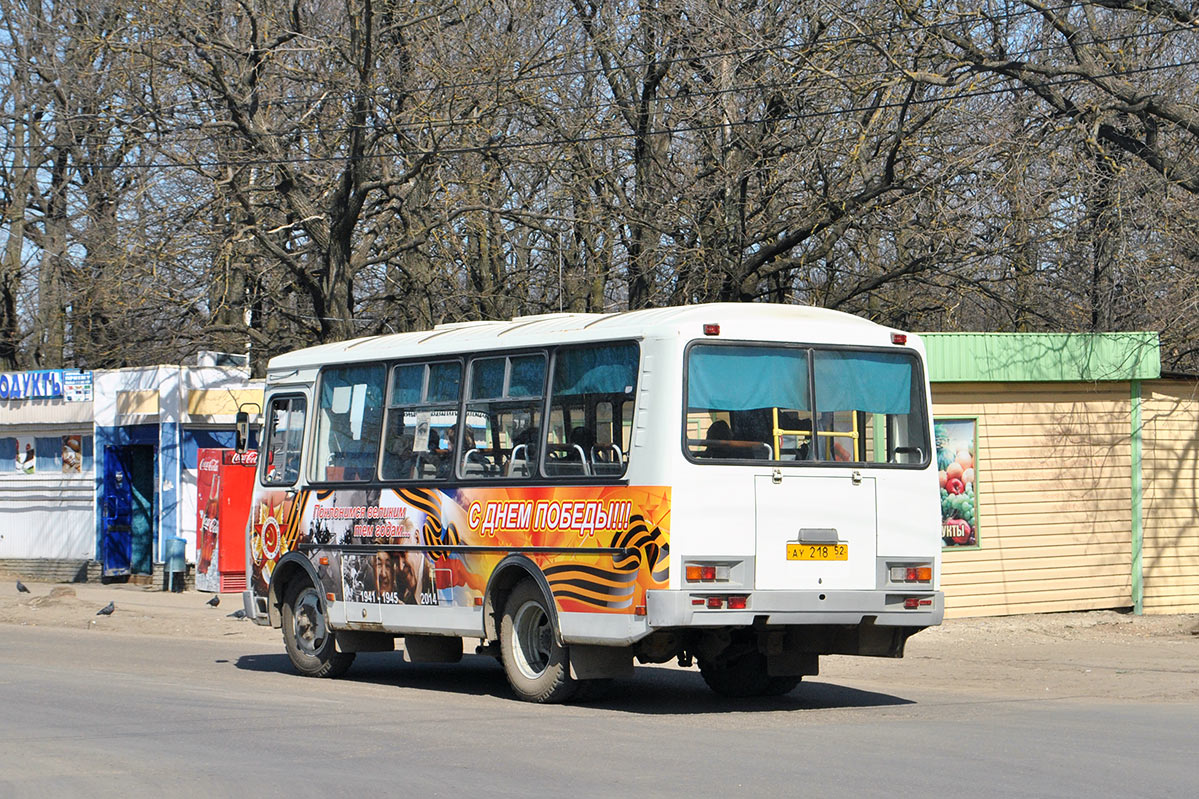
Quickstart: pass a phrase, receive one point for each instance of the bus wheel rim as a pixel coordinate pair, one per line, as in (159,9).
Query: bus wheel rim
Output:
(533,639)
(310,628)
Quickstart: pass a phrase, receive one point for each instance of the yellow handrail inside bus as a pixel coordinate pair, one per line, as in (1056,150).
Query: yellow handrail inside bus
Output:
(853,433)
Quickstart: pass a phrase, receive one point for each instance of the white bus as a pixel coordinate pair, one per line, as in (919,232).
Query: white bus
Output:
(741,486)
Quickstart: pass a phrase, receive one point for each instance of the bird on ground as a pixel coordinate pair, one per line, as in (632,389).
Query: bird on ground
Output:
(107,609)
(212,603)
(238,614)
(21,589)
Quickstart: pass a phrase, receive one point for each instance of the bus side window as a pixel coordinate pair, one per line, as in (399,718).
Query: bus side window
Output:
(349,422)
(503,416)
(422,414)
(591,410)
(284,438)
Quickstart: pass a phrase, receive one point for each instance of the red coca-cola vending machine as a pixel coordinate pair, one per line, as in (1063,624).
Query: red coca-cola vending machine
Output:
(224,483)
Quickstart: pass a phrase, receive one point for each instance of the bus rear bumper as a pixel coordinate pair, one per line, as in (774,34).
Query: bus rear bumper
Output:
(887,608)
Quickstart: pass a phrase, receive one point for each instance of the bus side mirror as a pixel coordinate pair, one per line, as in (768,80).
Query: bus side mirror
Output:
(242,425)
(243,431)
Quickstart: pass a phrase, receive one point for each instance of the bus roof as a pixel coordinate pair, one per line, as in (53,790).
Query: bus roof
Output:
(753,321)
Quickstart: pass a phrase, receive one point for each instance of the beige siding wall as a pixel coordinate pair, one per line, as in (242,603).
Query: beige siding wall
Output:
(1170,552)
(1055,498)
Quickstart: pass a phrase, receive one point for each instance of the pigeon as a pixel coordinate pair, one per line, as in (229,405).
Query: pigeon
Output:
(107,609)
(212,603)
(238,614)
(21,589)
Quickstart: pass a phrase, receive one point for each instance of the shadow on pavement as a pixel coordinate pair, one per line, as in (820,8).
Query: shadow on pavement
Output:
(653,690)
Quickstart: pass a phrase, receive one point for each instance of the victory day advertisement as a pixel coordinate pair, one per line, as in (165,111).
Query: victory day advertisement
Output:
(421,546)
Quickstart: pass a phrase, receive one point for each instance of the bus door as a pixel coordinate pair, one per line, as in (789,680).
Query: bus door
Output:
(823,426)
(818,525)
(816,531)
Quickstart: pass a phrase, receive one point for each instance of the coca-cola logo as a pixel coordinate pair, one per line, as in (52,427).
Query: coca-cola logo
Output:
(247,458)
(210,465)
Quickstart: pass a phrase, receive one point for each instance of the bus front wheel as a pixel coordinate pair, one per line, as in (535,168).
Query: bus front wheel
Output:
(745,676)
(307,636)
(537,666)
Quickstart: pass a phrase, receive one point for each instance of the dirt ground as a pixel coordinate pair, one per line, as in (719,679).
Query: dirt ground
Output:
(139,610)
(1097,654)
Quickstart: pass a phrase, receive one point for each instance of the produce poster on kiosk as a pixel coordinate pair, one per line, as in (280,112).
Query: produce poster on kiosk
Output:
(956,440)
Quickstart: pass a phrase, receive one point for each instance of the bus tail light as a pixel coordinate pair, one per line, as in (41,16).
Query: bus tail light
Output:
(718,602)
(917,602)
(706,572)
(920,573)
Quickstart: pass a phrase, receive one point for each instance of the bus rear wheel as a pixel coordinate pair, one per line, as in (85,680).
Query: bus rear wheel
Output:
(537,666)
(307,636)
(745,676)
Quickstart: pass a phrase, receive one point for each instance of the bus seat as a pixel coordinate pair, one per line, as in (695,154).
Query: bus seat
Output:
(519,464)
(566,459)
(607,459)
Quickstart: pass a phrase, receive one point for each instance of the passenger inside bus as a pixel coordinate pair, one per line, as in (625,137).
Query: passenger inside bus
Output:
(577,452)
(399,459)
(523,461)
(721,442)
(719,431)
(475,462)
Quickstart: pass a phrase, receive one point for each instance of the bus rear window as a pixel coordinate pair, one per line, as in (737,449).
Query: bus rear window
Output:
(802,404)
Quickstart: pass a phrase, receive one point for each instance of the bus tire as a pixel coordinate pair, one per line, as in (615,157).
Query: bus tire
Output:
(745,676)
(306,634)
(537,666)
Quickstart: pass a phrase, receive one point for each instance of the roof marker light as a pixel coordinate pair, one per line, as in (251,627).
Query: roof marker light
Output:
(899,338)
(711,329)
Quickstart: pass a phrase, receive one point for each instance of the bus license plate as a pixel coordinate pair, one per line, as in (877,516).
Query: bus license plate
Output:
(817,551)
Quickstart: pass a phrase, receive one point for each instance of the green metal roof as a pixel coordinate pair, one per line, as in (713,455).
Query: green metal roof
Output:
(1042,357)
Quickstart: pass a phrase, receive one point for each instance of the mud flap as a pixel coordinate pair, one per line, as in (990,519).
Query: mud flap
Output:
(354,641)
(597,662)
(432,649)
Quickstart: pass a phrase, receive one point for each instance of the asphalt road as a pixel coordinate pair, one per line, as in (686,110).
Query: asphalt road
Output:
(84,713)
